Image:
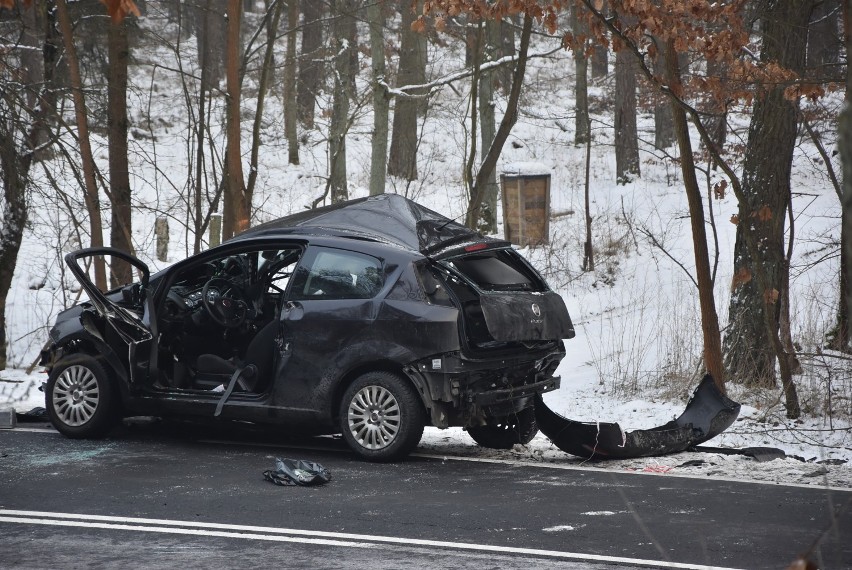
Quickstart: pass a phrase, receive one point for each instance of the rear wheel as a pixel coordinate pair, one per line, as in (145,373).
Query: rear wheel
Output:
(381,416)
(79,398)
(504,433)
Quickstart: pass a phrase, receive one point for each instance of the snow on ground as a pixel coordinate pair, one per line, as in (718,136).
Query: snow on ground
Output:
(638,335)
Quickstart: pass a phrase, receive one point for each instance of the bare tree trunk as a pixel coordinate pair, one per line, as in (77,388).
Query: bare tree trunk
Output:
(664,135)
(489,161)
(825,42)
(381,104)
(600,56)
(263,85)
(310,64)
(588,248)
(709,317)
(784,323)
(752,344)
(507,47)
(90,192)
(402,161)
(844,135)
(487,222)
(582,125)
(291,111)
(717,121)
(626,136)
(200,129)
(119,170)
(339,125)
(236,206)
(211,27)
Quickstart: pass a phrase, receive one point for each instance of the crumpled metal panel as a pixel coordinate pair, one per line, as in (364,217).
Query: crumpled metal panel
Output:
(388,218)
(708,413)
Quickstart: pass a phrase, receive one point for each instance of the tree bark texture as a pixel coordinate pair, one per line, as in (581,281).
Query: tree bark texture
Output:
(626,136)
(211,27)
(750,353)
(291,111)
(489,161)
(844,136)
(825,41)
(119,170)
(582,125)
(90,192)
(343,47)
(717,119)
(664,135)
(402,161)
(310,61)
(381,103)
(507,47)
(235,215)
(487,222)
(709,318)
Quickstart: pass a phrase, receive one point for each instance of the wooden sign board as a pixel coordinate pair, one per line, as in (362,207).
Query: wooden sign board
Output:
(526,208)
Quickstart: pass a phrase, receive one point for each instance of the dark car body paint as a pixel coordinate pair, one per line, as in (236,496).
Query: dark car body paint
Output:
(325,343)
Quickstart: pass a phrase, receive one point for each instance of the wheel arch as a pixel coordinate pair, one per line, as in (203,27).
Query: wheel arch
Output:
(97,349)
(378,366)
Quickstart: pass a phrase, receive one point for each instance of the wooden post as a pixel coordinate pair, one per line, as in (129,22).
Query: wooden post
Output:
(161,230)
(215,237)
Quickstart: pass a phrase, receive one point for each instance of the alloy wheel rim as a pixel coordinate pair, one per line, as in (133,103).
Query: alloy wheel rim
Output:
(76,395)
(374,417)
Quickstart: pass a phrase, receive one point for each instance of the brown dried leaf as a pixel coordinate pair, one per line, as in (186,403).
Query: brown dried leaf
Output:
(735,219)
(741,277)
(764,214)
(118,9)
(770,297)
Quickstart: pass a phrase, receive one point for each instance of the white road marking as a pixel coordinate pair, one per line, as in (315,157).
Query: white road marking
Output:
(248,532)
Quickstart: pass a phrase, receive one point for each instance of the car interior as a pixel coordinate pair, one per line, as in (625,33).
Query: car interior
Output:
(218,320)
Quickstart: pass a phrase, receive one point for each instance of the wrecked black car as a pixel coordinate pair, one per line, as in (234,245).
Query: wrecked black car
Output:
(373,318)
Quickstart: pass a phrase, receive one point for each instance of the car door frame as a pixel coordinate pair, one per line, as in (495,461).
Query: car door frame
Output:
(131,329)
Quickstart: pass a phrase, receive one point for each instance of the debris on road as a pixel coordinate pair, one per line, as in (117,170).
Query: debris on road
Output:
(290,472)
(708,413)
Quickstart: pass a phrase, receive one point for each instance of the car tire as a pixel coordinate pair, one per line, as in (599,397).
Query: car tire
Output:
(504,433)
(382,416)
(80,399)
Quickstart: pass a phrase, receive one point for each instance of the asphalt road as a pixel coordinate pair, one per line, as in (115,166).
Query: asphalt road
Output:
(170,495)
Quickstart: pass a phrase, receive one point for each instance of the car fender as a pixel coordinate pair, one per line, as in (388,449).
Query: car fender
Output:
(84,342)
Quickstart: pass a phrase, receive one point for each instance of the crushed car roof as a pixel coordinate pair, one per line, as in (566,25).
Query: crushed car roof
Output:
(388,218)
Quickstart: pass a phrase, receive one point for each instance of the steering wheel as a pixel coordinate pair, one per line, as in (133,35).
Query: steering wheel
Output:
(226,303)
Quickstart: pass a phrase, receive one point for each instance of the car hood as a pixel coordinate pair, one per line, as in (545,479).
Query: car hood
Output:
(389,218)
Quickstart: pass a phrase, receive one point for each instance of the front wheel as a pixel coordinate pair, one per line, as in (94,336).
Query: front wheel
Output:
(381,416)
(504,433)
(79,398)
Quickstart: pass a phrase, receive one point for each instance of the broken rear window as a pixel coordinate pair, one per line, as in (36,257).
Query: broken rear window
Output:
(500,270)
